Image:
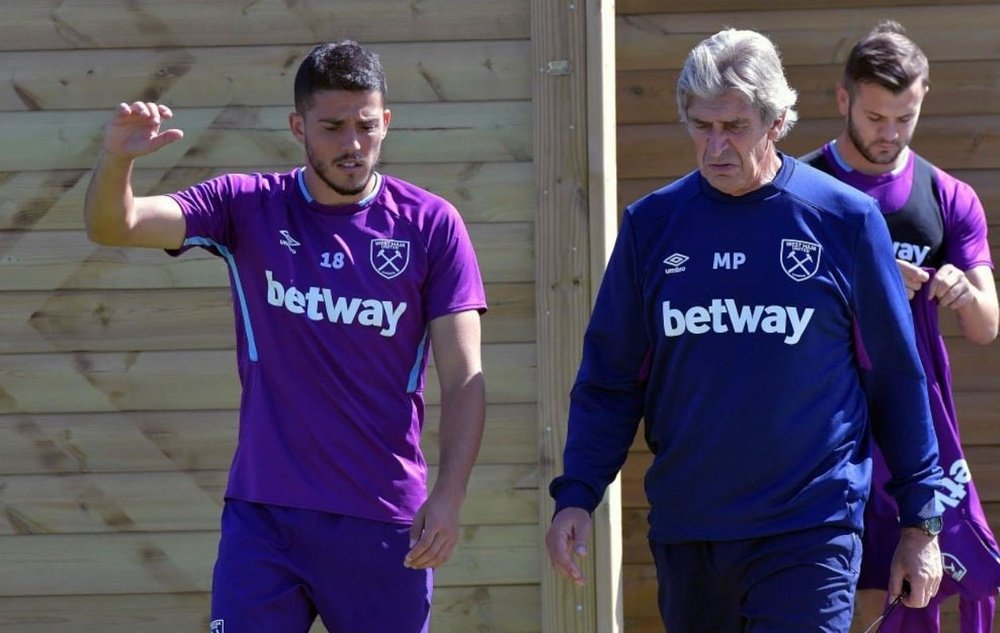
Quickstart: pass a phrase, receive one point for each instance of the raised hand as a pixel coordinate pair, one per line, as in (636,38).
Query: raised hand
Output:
(134,130)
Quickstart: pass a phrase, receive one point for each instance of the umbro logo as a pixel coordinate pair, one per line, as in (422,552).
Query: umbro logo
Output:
(288,240)
(675,263)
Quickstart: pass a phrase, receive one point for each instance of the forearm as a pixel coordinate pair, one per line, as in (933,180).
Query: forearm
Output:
(109,204)
(463,414)
(603,421)
(979,317)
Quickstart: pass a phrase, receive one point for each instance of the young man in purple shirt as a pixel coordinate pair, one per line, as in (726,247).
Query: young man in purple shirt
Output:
(342,279)
(938,229)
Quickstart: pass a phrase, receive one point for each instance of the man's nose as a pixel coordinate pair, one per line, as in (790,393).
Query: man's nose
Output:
(890,131)
(718,142)
(351,140)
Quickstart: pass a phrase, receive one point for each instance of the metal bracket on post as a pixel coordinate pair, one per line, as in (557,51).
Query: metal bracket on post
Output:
(558,67)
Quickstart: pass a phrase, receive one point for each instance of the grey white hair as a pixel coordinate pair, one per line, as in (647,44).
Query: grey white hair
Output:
(740,60)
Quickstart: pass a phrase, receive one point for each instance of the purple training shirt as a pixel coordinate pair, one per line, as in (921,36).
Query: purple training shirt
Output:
(332,306)
(948,226)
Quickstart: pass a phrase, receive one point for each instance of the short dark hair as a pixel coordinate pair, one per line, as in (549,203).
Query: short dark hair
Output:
(344,65)
(888,58)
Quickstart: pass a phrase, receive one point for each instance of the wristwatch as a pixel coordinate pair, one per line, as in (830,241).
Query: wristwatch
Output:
(931,526)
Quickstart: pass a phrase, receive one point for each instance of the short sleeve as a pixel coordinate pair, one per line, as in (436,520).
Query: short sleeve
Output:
(454,282)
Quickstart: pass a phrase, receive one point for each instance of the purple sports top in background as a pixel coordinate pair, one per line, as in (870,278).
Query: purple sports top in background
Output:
(933,219)
(332,308)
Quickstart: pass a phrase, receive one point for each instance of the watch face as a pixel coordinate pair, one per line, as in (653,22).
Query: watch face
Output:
(932,526)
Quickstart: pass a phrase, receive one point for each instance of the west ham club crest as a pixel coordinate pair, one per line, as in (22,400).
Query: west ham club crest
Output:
(800,259)
(390,257)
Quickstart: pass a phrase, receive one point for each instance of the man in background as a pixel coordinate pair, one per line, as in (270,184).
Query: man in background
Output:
(938,230)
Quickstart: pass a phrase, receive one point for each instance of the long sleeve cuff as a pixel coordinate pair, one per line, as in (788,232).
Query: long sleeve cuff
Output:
(918,505)
(571,493)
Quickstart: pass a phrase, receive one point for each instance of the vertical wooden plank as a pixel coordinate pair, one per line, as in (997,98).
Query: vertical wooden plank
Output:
(603,175)
(563,267)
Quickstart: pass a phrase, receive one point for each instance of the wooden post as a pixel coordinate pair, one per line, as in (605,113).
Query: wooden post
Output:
(602,151)
(574,154)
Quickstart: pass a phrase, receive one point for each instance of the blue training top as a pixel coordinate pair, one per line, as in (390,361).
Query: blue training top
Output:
(757,336)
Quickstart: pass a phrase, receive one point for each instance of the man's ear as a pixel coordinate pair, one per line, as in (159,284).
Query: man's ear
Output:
(843,100)
(297,125)
(776,127)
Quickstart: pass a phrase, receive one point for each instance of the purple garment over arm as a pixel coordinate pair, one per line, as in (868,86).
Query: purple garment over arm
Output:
(972,565)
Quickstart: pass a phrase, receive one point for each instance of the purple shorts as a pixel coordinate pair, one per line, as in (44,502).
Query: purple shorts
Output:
(280,567)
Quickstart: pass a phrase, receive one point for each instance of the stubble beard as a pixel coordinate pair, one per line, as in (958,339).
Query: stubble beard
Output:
(859,144)
(320,169)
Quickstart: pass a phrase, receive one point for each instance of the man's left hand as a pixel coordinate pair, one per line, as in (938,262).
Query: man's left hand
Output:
(918,561)
(951,288)
(434,533)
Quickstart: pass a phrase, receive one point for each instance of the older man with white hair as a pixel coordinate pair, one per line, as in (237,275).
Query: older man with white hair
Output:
(752,314)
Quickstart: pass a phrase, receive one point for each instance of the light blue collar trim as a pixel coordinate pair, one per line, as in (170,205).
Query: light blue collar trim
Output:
(302,185)
(905,155)
(301,178)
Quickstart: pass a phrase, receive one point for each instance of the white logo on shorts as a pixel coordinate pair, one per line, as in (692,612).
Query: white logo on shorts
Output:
(217,626)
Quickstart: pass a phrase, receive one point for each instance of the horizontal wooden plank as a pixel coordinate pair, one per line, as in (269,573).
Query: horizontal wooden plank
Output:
(945,33)
(178,319)
(136,441)
(510,437)
(53,199)
(192,380)
(975,367)
(632,7)
(116,320)
(192,501)
(67,260)
(977,417)
(984,462)
(957,88)
(515,608)
(50,565)
(952,143)
(986,182)
(169,441)
(249,135)
(83,24)
(253,75)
